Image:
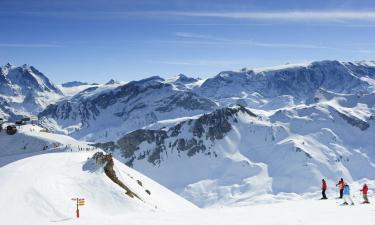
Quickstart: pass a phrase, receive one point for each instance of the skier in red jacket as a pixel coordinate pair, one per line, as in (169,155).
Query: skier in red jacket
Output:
(324,188)
(364,191)
(341,185)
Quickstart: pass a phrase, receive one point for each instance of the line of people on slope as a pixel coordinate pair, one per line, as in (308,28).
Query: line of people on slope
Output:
(345,192)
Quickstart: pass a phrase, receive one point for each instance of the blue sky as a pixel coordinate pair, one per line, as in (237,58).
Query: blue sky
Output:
(94,40)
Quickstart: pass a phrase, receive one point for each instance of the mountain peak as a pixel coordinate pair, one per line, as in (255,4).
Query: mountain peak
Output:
(26,66)
(112,81)
(182,78)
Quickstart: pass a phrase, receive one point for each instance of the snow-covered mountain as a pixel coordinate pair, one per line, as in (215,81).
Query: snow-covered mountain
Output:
(118,108)
(24,91)
(111,110)
(235,154)
(273,88)
(37,186)
(41,172)
(237,135)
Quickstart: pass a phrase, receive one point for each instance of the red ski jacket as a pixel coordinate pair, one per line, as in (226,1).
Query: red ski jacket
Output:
(324,185)
(364,190)
(341,185)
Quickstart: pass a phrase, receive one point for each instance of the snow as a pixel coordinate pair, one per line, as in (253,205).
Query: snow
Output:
(266,170)
(281,67)
(140,103)
(261,155)
(293,212)
(40,184)
(31,140)
(38,190)
(25,91)
(71,91)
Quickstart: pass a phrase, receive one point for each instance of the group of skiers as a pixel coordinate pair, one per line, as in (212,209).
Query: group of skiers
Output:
(345,192)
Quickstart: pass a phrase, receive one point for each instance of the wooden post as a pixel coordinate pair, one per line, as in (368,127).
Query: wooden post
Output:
(77,211)
(79,202)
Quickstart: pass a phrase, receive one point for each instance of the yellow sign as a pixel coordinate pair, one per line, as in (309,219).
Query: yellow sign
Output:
(80,201)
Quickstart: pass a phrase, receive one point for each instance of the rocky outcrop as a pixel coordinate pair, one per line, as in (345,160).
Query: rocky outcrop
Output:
(354,121)
(106,161)
(208,127)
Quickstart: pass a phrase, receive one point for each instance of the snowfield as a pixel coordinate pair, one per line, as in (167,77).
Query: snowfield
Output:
(299,212)
(37,189)
(41,188)
(246,147)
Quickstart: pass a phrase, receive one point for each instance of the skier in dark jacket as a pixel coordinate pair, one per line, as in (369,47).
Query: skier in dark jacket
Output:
(341,185)
(364,191)
(324,188)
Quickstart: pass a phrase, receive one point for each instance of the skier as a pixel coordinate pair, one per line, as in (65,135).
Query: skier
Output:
(324,188)
(364,191)
(346,193)
(341,185)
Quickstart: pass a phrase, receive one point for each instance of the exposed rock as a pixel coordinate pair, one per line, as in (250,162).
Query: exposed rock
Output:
(354,121)
(212,127)
(107,162)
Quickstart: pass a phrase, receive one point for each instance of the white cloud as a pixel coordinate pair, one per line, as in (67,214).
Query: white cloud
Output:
(21,45)
(366,51)
(301,15)
(203,62)
(203,39)
(286,15)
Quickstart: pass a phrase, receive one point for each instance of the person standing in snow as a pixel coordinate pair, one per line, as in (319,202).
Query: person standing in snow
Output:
(364,191)
(324,188)
(341,185)
(347,197)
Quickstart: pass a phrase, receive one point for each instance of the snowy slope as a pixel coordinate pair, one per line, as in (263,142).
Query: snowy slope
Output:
(311,120)
(37,190)
(234,155)
(49,181)
(40,183)
(292,212)
(306,118)
(24,91)
(32,140)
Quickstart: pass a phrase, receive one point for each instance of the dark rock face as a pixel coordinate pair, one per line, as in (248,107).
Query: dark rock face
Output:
(213,126)
(107,161)
(108,146)
(356,122)
(186,100)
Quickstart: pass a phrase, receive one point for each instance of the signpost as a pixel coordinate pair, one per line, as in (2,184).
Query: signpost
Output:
(79,202)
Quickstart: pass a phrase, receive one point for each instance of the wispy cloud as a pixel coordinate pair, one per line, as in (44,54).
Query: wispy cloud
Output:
(276,16)
(203,62)
(21,45)
(363,51)
(204,39)
(286,15)
(198,36)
